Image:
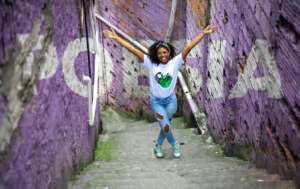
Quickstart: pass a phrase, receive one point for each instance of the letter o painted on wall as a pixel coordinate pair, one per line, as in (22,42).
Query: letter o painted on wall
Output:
(72,51)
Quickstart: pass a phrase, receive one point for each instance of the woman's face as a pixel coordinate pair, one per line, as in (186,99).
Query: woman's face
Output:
(163,55)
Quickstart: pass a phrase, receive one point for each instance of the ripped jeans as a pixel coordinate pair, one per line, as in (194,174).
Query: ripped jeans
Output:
(164,109)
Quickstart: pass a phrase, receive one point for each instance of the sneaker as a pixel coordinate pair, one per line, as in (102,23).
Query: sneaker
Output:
(158,151)
(176,151)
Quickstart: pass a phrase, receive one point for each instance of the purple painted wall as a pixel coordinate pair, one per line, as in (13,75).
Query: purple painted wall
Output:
(196,15)
(49,137)
(251,81)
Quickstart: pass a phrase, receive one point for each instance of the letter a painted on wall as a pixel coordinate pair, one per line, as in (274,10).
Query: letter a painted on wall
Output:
(271,80)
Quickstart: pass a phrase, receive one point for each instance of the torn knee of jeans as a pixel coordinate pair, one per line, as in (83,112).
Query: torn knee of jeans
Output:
(166,128)
(158,116)
(170,119)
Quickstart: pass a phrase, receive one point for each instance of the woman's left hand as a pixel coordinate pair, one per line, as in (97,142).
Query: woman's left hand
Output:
(210,29)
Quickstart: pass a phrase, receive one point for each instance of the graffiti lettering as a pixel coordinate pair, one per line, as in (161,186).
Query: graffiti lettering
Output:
(68,60)
(271,80)
(48,68)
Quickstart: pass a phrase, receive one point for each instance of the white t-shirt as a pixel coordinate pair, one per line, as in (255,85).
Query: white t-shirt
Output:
(163,78)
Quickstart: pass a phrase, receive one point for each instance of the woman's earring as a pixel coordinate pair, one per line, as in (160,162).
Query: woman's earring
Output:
(170,57)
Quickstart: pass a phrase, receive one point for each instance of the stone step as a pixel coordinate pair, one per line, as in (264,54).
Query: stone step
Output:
(238,178)
(187,152)
(146,149)
(137,124)
(137,141)
(114,142)
(196,163)
(182,170)
(95,185)
(182,136)
(200,159)
(141,126)
(153,128)
(205,175)
(111,120)
(185,183)
(133,144)
(201,162)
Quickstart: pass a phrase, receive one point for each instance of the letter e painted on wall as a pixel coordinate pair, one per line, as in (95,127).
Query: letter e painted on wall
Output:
(216,66)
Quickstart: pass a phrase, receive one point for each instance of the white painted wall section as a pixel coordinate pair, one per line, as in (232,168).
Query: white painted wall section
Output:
(130,74)
(105,80)
(216,66)
(195,52)
(194,80)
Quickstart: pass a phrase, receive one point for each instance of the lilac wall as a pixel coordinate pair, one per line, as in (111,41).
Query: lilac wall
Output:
(197,14)
(47,136)
(250,80)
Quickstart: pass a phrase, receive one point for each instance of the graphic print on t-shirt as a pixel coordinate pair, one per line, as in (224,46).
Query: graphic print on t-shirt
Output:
(163,80)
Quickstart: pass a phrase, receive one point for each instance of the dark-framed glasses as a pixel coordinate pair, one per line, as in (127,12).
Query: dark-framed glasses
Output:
(162,53)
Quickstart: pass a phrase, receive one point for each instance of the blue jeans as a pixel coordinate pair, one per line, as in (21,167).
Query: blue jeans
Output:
(164,109)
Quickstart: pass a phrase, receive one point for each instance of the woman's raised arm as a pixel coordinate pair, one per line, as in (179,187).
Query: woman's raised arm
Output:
(209,29)
(112,35)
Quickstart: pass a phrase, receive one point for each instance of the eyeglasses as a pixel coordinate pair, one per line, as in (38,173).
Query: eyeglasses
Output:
(163,53)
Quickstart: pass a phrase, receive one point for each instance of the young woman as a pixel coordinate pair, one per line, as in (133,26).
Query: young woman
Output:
(163,68)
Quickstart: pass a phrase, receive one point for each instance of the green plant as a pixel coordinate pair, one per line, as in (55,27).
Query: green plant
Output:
(103,106)
(223,145)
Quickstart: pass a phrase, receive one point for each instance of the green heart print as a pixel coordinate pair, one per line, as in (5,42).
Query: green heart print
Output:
(163,80)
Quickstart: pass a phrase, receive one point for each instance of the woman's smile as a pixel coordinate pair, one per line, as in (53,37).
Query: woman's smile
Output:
(164,58)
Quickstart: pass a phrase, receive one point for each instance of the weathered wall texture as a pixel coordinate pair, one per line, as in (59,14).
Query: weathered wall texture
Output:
(146,21)
(44,134)
(250,86)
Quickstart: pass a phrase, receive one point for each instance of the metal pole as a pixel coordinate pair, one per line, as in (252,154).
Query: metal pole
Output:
(87,38)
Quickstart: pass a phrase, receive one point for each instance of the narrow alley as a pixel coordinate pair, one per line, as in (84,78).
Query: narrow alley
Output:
(86,86)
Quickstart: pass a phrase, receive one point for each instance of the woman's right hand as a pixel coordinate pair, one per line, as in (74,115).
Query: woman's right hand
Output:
(110,34)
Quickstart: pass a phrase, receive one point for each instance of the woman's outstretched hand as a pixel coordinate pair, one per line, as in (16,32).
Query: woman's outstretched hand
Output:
(110,34)
(210,29)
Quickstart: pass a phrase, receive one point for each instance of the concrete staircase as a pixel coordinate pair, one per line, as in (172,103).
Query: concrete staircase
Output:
(125,159)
